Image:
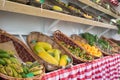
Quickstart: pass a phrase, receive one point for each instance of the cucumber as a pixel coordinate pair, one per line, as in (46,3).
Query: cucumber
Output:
(4,55)
(2,62)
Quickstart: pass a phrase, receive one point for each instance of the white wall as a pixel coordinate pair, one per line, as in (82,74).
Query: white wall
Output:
(19,23)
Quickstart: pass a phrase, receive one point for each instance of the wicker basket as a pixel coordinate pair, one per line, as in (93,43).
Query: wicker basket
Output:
(59,36)
(115,41)
(21,50)
(78,38)
(115,47)
(37,36)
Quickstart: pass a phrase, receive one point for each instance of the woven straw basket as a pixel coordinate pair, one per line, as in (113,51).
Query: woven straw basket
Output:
(24,54)
(116,43)
(78,38)
(39,37)
(115,47)
(59,36)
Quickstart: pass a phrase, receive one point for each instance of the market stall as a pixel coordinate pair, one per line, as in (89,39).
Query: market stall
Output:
(106,68)
(59,39)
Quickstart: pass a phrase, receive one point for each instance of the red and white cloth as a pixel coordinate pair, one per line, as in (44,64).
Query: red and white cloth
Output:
(107,68)
(114,2)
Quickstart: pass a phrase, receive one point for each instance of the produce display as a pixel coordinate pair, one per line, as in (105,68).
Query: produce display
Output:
(108,4)
(73,9)
(104,45)
(77,52)
(100,42)
(90,49)
(53,56)
(90,38)
(77,9)
(11,66)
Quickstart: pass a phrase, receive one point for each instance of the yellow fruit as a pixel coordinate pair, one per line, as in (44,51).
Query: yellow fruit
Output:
(57,8)
(63,60)
(37,0)
(38,49)
(57,54)
(90,49)
(87,16)
(28,63)
(44,45)
(51,51)
(48,58)
(37,72)
(9,71)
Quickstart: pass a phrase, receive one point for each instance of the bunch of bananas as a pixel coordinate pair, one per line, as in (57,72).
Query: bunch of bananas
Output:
(9,65)
(53,56)
(90,49)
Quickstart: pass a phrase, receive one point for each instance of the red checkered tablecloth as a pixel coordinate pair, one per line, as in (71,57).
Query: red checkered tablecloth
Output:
(107,68)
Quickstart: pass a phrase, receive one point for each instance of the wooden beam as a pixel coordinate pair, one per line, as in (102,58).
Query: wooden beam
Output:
(34,11)
(99,8)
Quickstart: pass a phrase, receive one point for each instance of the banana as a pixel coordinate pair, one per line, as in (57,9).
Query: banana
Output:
(38,49)
(44,45)
(23,75)
(10,52)
(2,62)
(5,55)
(18,68)
(9,71)
(37,72)
(2,51)
(25,69)
(28,63)
(15,61)
(57,8)
(2,70)
(41,67)
(63,60)
(15,74)
(57,54)
(1,66)
(34,64)
(19,76)
(51,52)
(37,68)
(47,57)
(8,61)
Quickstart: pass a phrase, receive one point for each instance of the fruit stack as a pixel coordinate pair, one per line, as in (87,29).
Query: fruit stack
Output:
(11,66)
(92,50)
(102,43)
(77,51)
(53,56)
(72,48)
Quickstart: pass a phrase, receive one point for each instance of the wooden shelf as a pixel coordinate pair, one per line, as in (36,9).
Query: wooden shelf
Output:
(98,7)
(34,11)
